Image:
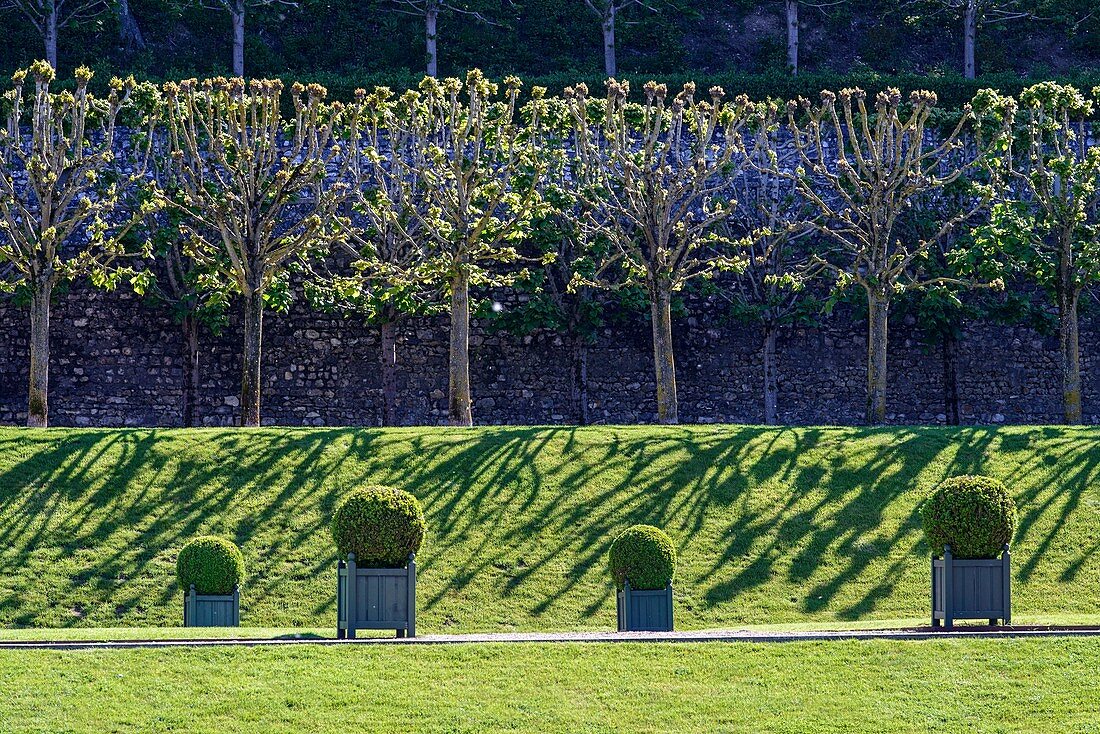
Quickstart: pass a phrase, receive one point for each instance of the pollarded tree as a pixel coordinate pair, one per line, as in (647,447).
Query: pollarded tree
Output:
(470,165)
(254,190)
(47,16)
(655,180)
(392,273)
(861,169)
(1050,216)
(769,227)
(63,208)
(191,291)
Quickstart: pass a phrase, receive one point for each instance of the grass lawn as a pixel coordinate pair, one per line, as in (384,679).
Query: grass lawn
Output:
(949,686)
(774,526)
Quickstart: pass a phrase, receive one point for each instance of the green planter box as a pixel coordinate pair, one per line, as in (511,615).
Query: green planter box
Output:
(375,598)
(212,610)
(979,588)
(644,611)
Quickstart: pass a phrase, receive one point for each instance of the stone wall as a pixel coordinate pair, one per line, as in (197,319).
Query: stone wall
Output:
(118,360)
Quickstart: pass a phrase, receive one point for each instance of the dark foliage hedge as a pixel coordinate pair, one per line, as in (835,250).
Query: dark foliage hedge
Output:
(645,556)
(380,525)
(214,565)
(975,515)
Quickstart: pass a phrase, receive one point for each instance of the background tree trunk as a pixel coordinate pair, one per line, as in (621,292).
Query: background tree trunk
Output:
(771,376)
(949,348)
(49,35)
(580,378)
(129,32)
(237,13)
(250,358)
(1071,356)
(39,382)
(431,20)
(970,32)
(459,412)
(610,66)
(663,358)
(878,312)
(792,36)
(190,368)
(388,331)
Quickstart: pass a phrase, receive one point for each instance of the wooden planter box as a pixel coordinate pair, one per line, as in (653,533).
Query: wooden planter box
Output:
(644,611)
(212,610)
(375,598)
(971,589)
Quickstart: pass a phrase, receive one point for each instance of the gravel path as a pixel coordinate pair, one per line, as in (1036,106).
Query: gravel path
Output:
(726,635)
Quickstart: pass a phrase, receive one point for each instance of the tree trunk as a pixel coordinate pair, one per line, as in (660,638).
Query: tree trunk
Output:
(190,368)
(250,359)
(663,358)
(237,12)
(431,19)
(1071,356)
(389,373)
(878,311)
(771,376)
(970,32)
(49,35)
(792,36)
(950,353)
(580,378)
(39,382)
(459,412)
(609,65)
(129,32)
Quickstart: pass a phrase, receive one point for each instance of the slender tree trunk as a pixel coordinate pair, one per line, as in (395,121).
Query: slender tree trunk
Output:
(950,352)
(190,368)
(39,382)
(970,32)
(609,65)
(431,20)
(49,35)
(389,373)
(129,32)
(663,358)
(792,36)
(459,412)
(250,359)
(1071,356)
(878,310)
(771,375)
(237,13)
(580,378)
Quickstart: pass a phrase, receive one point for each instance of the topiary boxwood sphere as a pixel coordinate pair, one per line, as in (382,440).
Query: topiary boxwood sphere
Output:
(380,525)
(974,515)
(214,565)
(645,556)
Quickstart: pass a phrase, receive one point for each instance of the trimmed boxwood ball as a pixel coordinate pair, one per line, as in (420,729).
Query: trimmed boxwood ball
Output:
(214,565)
(974,515)
(645,556)
(380,525)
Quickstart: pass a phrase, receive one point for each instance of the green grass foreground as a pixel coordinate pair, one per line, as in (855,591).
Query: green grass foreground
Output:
(951,686)
(793,526)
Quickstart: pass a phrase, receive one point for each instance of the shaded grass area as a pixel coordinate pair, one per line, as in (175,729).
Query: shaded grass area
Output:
(777,525)
(972,686)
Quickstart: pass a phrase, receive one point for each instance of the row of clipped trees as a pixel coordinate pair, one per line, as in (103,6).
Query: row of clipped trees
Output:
(396,205)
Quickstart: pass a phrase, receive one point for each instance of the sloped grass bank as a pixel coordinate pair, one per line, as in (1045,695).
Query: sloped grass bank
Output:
(971,686)
(773,525)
